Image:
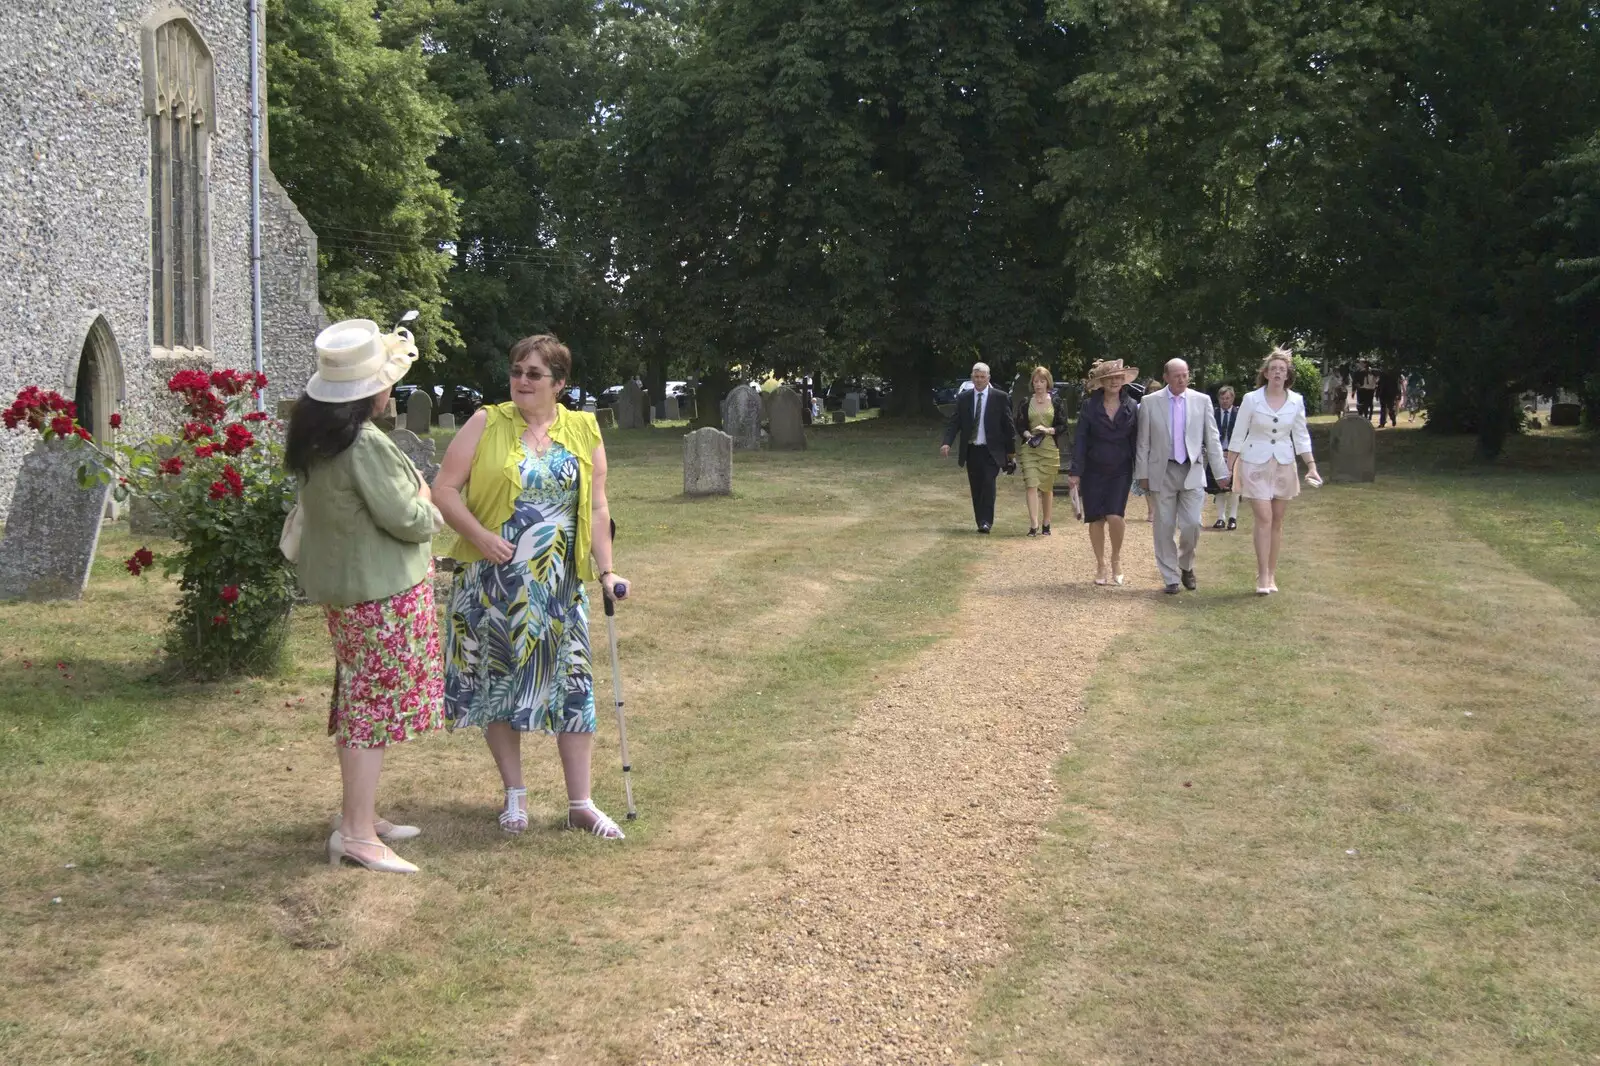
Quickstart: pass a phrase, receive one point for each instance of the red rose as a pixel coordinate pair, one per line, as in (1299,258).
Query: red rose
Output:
(231,476)
(116,420)
(218,490)
(61,426)
(140,560)
(238,438)
(173,466)
(193,431)
(230,594)
(83,434)
(219,619)
(205,451)
(256,416)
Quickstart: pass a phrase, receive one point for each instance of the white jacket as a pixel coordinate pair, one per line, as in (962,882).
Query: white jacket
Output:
(1260,433)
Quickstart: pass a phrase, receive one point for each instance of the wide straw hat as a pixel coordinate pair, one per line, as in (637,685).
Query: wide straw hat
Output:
(1111,372)
(355,360)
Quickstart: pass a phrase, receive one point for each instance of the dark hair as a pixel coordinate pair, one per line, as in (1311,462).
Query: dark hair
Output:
(555,355)
(319,431)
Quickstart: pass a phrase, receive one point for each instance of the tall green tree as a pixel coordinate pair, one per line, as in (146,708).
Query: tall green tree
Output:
(353,124)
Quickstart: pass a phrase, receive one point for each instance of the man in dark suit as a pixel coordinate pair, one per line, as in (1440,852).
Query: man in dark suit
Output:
(985,437)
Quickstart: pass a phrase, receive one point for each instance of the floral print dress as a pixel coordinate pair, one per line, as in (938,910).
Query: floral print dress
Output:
(517,641)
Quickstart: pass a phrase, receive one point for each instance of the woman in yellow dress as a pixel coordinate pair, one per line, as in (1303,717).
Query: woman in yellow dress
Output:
(1040,422)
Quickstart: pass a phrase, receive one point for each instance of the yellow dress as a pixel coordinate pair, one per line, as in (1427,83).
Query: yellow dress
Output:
(1039,465)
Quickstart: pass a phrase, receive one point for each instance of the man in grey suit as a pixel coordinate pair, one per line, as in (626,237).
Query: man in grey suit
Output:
(1177,436)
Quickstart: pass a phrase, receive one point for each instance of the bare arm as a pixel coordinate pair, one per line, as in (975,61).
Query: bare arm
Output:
(600,549)
(452,478)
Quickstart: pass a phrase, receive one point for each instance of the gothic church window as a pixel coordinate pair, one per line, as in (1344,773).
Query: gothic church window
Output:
(179,106)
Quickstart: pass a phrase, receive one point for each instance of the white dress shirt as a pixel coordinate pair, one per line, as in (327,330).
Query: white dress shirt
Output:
(979,401)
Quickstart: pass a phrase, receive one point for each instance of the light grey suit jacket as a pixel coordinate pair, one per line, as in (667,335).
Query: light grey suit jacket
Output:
(1155,440)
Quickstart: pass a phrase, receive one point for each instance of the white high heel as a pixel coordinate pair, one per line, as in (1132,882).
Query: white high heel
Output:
(387,862)
(387,831)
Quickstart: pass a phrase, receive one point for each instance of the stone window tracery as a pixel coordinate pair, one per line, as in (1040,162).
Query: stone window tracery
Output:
(179,106)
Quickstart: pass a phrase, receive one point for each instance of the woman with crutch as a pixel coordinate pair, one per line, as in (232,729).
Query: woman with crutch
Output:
(523,484)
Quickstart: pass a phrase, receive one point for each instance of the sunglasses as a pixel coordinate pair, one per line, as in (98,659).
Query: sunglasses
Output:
(519,374)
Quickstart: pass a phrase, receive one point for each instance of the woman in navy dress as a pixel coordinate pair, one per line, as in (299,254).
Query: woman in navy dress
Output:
(1102,461)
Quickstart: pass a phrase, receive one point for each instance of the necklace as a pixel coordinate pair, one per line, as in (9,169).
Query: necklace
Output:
(541,438)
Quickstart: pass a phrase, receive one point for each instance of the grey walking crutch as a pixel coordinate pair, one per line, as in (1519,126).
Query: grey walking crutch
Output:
(616,682)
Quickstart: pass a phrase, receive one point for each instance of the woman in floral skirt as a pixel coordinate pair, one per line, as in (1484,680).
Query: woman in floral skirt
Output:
(524,487)
(367,524)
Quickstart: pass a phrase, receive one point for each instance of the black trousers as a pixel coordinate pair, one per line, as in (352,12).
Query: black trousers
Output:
(1386,410)
(1364,403)
(981,474)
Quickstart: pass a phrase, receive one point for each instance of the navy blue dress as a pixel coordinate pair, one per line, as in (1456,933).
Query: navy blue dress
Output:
(1102,456)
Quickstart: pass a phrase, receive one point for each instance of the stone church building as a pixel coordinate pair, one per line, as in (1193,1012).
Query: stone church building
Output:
(125,212)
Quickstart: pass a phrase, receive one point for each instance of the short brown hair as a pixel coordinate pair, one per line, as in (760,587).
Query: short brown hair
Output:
(1229,388)
(555,356)
(1277,354)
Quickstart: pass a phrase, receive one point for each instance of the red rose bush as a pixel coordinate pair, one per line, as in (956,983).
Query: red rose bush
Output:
(221,489)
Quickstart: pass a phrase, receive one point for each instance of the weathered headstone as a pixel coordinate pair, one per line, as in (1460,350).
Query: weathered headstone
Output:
(447,420)
(707,463)
(838,418)
(419,451)
(787,425)
(1565,414)
(669,409)
(741,417)
(1353,447)
(687,408)
(419,413)
(285,409)
(852,404)
(386,420)
(629,407)
(605,418)
(946,410)
(53,528)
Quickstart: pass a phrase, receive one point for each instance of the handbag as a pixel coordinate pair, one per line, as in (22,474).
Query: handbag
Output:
(289,539)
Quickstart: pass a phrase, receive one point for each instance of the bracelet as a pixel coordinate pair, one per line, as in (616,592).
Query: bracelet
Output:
(605,573)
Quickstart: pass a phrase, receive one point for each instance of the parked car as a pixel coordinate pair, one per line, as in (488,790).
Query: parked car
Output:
(608,397)
(464,400)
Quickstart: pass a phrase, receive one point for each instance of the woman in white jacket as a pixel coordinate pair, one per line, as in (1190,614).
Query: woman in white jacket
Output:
(1269,433)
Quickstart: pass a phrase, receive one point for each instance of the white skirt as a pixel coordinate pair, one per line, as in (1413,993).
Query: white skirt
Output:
(1270,480)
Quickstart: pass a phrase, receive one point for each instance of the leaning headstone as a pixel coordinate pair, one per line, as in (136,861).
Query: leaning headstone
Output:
(1565,414)
(707,463)
(419,413)
(53,528)
(669,409)
(838,418)
(605,418)
(852,404)
(1353,448)
(787,425)
(741,417)
(447,420)
(419,451)
(630,407)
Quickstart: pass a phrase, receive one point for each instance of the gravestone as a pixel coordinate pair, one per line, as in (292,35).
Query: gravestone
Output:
(419,413)
(687,408)
(946,410)
(1353,450)
(852,404)
(447,420)
(707,463)
(629,407)
(1565,414)
(605,419)
(386,421)
(787,425)
(669,409)
(285,409)
(53,528)
(838,418)
(419,451)
(589,405)
(741,417)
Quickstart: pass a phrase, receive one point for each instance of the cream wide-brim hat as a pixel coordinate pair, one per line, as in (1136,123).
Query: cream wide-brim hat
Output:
(1111,372)
(355,360)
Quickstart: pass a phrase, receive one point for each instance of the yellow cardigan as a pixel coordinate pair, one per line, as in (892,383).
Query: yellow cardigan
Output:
(495,480)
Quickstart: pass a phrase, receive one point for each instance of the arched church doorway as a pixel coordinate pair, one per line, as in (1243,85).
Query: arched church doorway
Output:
(98,389)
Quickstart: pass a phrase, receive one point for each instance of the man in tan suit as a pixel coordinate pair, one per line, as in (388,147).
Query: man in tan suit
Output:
(1177,436)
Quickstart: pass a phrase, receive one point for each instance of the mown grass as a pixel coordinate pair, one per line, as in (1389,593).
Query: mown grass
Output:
(181,827)
(1354,822)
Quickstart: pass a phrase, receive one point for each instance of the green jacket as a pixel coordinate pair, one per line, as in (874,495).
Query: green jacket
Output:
(366,533)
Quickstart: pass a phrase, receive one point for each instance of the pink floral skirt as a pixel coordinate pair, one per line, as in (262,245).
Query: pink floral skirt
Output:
(388,680)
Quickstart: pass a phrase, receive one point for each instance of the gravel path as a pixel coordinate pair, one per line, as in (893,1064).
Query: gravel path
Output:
(872,945)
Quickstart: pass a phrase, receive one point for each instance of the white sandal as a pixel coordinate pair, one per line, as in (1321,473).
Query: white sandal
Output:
(603,825)
(514,818)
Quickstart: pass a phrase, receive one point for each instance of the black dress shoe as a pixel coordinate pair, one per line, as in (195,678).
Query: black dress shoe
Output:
(983,529)
(1219,524)
(1033,531)
(1189,581)
(1045,530)
(1172,590)
(1233,523)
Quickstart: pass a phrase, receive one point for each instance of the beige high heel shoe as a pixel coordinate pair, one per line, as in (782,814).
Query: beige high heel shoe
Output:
(388,832)
(387,862)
